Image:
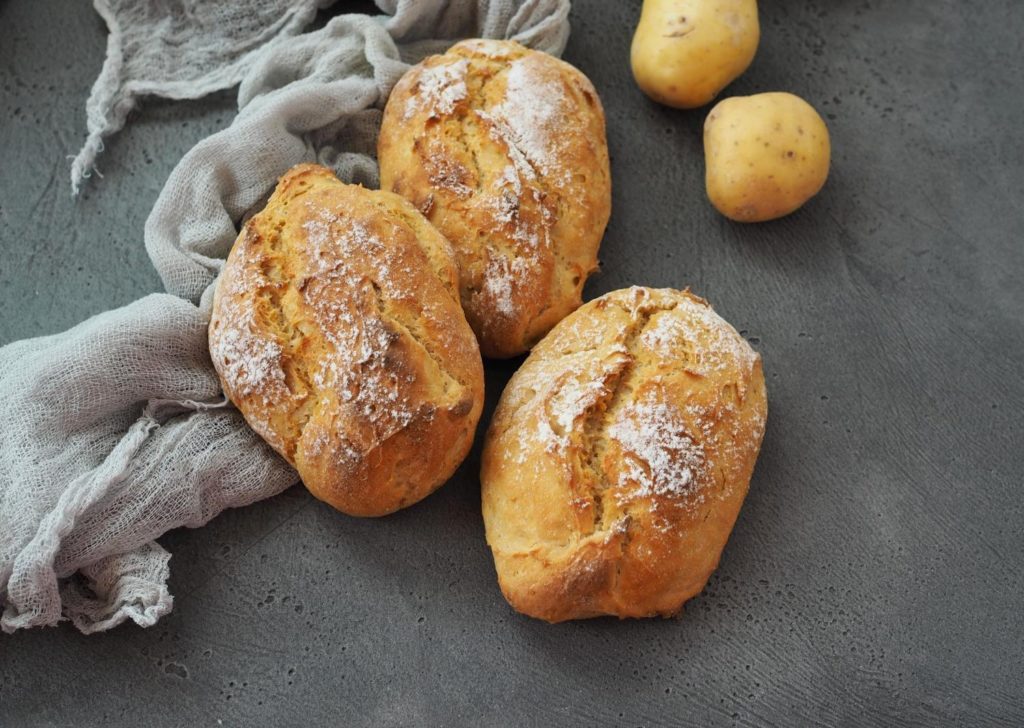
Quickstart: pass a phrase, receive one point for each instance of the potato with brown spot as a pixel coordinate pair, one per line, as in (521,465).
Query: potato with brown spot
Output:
(619,456)
(338,334)
(503,149)
(765,155)
(685,52)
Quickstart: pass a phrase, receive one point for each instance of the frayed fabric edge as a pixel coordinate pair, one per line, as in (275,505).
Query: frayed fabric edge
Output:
(104,115)
(109,606)
(113,97)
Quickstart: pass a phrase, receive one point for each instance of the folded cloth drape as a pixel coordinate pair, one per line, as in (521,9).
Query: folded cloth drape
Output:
(117,431)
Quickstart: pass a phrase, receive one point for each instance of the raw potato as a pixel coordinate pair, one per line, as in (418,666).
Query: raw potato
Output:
(686,51)
(766,155)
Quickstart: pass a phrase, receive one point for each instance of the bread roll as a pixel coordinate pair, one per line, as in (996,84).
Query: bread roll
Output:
(619,456)
(337,332)
(503,149)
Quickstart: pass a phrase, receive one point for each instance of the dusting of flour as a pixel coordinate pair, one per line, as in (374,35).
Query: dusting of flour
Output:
(248,359)
(531,113)
(500,282)
(721,347)
(356,366)
(440,89)
(660,457)
(563,396)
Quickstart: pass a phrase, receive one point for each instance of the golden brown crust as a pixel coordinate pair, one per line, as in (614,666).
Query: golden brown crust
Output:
(619,456)
(337,332)
(503,149)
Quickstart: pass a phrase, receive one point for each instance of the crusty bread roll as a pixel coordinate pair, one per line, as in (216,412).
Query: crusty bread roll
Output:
(337,332)
(619,456)
(503,149)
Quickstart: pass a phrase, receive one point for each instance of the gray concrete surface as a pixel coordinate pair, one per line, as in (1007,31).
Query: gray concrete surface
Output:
(874,576)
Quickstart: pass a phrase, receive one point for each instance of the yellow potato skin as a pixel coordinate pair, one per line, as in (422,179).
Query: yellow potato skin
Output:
(686,51)
(765,155)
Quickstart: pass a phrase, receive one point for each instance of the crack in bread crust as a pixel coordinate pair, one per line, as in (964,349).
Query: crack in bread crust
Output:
(468,119)
(595,436)
(274,261)
(423,343)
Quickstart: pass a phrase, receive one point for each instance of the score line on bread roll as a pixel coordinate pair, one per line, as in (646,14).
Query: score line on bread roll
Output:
(337,332)
(619,456)
(503,149)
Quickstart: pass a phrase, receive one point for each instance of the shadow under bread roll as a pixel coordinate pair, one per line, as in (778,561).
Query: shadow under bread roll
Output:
(619,456)
(338,333)
(503,149)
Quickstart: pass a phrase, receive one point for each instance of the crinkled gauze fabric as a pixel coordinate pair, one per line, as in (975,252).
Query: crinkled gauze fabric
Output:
(117,431)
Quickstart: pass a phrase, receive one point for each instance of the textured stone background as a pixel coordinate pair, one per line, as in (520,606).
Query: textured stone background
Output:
(874,576)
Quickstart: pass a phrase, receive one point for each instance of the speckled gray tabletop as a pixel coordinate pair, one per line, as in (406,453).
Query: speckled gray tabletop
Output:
(874,576)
